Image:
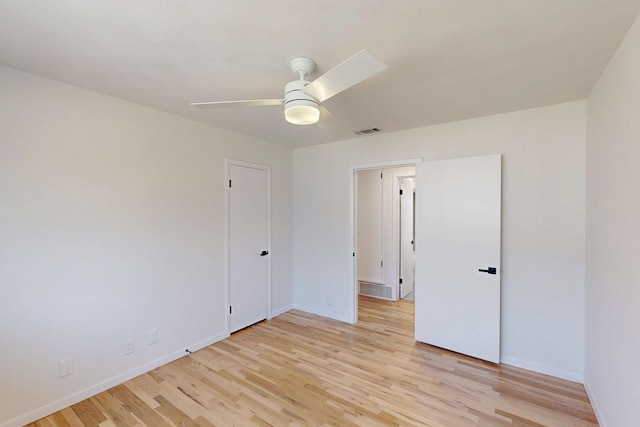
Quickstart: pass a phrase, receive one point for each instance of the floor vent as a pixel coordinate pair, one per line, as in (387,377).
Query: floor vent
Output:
(367,131)
(375,290)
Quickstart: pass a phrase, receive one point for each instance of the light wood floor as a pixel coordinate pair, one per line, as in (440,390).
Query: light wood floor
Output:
(304,370)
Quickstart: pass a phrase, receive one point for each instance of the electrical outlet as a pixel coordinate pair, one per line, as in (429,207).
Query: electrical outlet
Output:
(329,301)
(129,347)
(65,367)
(152,336)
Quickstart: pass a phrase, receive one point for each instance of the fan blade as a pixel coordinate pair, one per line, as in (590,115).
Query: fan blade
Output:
(349,73)
(243,103)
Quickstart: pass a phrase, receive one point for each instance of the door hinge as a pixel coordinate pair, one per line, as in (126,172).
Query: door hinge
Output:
(401,191)
(401,280)
(354,254)
(380,263)
(230,309)
(229,183)
(380,175)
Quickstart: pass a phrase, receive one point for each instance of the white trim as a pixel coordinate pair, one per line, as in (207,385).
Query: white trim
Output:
(387,165)
(327,314)
(594,404)
(231,162)
(353,185)
(92,390)
(353,315)
(541,368)
(282,310)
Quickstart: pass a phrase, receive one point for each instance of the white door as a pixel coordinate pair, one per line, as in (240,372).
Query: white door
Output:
(370,247)
(457,303)
(406,236)
(248,246)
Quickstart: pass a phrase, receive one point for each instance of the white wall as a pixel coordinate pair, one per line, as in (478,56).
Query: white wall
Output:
(543,223)
(112,223)
(612,352)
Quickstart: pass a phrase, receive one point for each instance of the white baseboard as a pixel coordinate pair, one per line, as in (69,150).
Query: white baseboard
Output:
(322,313)
(90,391)
(541,368)
(278,312)
(594,404)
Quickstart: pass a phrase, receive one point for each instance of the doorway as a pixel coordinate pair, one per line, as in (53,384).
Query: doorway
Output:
(249,261)
(381,269)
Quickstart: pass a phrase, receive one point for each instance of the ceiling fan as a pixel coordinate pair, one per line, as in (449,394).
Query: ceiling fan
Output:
(302,98)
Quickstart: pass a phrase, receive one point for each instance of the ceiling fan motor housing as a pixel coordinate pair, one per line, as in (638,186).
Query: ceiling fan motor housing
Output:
(299,107)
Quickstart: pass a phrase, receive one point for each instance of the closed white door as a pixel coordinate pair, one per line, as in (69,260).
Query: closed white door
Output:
(370,247)
(406,236)
(248,246)
(458,204)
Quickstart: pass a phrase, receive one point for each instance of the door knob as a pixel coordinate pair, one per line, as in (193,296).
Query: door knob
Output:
(265,253)
(489,270)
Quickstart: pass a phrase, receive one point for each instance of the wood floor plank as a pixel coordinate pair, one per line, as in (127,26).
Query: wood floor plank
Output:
(69,417)
(87,412)
(137,407)
(300,369)
(114,410)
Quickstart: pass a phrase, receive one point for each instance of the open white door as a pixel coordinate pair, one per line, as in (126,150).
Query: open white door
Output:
(458,208)
(248,246)
(407,258)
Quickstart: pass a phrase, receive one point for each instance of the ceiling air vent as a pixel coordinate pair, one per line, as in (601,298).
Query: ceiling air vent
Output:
(367,131)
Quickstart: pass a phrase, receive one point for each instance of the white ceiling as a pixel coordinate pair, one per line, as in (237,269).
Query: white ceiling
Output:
(448,59)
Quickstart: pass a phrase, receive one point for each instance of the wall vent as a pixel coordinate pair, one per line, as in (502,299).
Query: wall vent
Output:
(367,131)
(375,290)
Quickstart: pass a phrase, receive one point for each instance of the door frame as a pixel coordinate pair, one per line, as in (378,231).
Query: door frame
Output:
(227,297)
(353,316)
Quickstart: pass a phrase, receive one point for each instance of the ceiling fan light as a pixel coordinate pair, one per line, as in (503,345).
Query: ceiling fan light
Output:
(302,112)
